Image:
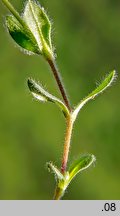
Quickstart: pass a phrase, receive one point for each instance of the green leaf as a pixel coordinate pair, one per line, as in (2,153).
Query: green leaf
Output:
(20,35)
(62,180)
(55,170)
(81,164)
(42,95)
(31,30)
(103,86)
(38,22)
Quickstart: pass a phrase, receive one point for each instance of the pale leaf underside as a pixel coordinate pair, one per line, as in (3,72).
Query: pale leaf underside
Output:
(42,95)
(55,170)
(39,24)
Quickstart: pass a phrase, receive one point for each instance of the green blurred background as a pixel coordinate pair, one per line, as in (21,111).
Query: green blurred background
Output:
(86,35)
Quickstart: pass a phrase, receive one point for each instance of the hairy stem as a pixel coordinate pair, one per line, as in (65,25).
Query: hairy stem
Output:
(59,192)
(69,125)
(59,82)
(68,135)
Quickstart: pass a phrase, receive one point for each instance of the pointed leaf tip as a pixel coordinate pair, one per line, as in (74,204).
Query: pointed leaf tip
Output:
(103,86)
(42,95)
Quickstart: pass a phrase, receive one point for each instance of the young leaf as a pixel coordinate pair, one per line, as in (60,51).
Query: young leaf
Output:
(55,170)
(62,180)
(42,95)
(21,36)
(103,86)
(39,24)
(81,164)
(31,30)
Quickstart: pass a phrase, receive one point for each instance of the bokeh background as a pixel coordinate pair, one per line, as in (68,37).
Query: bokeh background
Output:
(86,35)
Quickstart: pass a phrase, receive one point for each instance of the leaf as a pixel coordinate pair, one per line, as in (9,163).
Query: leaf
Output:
(42,95)
(64,180)
(55,170)
(103,86)
(31,30)
(81,164)
(20,35)
(39,24)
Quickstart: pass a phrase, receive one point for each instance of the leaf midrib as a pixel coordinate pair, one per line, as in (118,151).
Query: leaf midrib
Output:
(39,32)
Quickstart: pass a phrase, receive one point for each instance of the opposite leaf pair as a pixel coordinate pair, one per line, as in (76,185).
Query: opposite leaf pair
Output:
(42,95)
(31,30)
(63,180)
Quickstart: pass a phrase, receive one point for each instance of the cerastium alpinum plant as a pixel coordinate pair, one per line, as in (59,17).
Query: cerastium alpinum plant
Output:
(32,31)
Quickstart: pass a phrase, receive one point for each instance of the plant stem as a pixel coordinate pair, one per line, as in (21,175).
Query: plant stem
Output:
(59,82)
(66,149)
(58,191)
(69,125)
(13,11)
